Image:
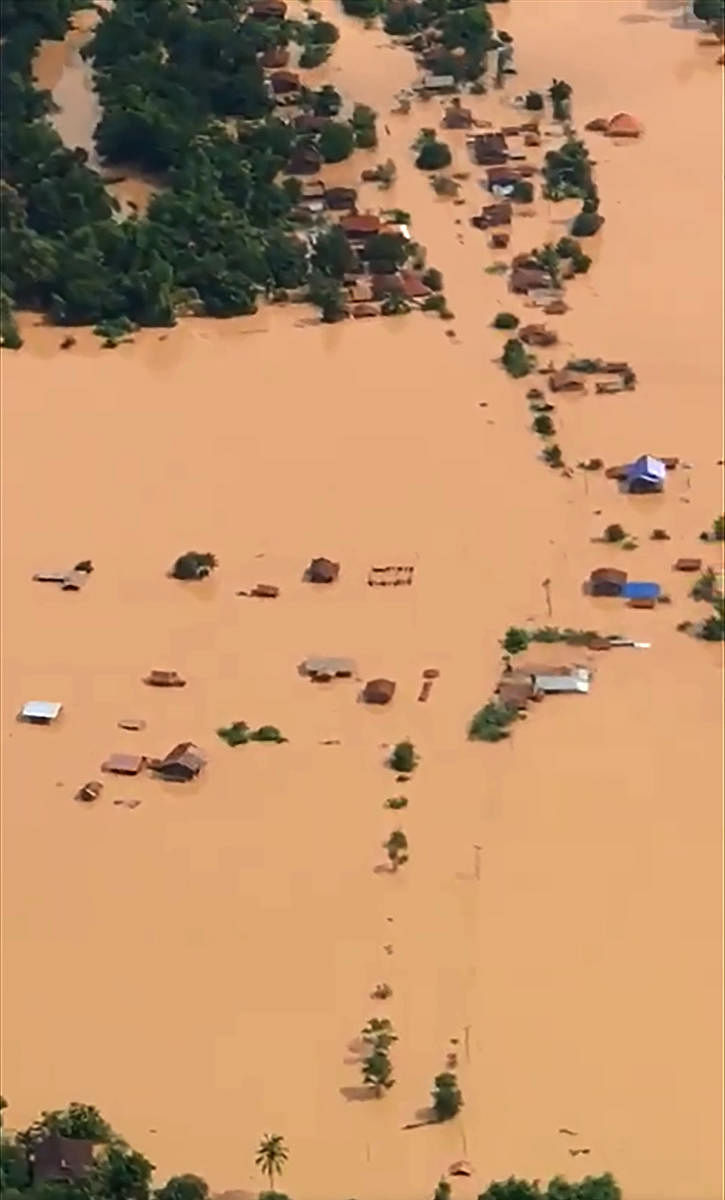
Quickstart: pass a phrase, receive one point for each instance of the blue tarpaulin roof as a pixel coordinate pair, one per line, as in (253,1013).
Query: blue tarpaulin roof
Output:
(635,590)
(646,467)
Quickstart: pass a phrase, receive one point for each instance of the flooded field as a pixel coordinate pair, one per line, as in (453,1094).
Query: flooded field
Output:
(198,966)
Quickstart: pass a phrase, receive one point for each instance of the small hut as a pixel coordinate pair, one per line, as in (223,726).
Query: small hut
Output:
(688,564)
(538,335)
(646,474)
(164,679)
(378,691)
(565,381)
(322,570)
(123,764)
(181,764)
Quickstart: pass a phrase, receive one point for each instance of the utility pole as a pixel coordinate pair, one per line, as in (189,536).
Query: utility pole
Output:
(477,862)
(546,585)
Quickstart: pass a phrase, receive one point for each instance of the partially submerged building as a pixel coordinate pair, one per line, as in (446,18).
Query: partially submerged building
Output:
(56,1159)
(40,712)
(181,764)
(645,474)
(378,691)
(322,570)
(322,670)
(607,581)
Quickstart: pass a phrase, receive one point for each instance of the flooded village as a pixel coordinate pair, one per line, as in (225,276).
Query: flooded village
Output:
(361,727)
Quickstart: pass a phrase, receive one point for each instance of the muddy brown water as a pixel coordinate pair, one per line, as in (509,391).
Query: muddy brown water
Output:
(198,965)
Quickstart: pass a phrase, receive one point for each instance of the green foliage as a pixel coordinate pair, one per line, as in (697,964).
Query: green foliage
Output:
(505,320)
(385,252)
(314,55)
(327,294)
(362,8)
(534,101)
(403,759)
(560,95)
(591,1187)
(490,723)
(433,155)
(323,33)
(523,191)
(515,640)
(396,802)
(10,338)
(397,849)
(194,565)
(183,1187)
(377,1072)
(568,171)
(236,734)
(718,528)
(433,278)
(379,1034)
(713,629)
(447,1097)
(437,303)
(337,142)
(712,11)
(267,733)
(394,305)
(705,586)
(332,255)
(515,358)
(586,224)
(271,1156)
(122,1173)
(75,1121)
(443,1190)
(544,425)
(553,455)
(363,123)
(614,533)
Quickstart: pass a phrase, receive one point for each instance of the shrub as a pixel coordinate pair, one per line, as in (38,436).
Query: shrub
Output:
(397,849)
(553,455)
(433,156)
(379,1034)
(314,55)
(336,142)
(660,535)
(718,528)
(534,101)
(705,586)
(586,224)
(490,723)
(236,734)
(515,358)
(614,533)
(10,337)
(194,565)
(324,33)
(437,303)
(363,123)
(713,629)
(515,640)
(403,758)
(505,320)
(444,186)
(381,991)
(396,802)
(447,1097)
(267,733)
(433,279)
(523,191)
(377,1072)
(544,425)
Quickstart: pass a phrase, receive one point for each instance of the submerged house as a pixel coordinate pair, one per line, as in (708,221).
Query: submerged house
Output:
(322,570)
(645,474)
(575,679)
(56,1159)
(40,712)
(181,764)
(489,149)
(636,590)
(324,669)
(492,215)
(378,691)
(607,581)
(529,279)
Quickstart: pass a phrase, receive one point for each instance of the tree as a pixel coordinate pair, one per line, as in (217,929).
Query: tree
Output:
(336,142)
(327,294)
(271,1157)
(122,1174)
(377,1072)
(553,455)
(327,102)
(544,425)
(614,533)
(397,849)
(523,191)
(443,1190)
(505,320)
(75,1121)
(363,124)
(379,1034)
(711,11)
(534,101)
(490,723)
(194,565)
(515,640)
(333,255)
(586,224)
(362,8)
(403,758)
(560,93)
(324,33)
(313,55)
(718,528)
(386,252)
(447,1097)
(515,358)
(183,1187)
(433,155)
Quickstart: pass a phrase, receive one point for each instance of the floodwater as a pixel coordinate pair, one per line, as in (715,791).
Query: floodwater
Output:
(198,966)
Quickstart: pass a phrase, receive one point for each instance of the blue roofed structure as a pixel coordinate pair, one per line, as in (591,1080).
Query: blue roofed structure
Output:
(646,474)
(636,590)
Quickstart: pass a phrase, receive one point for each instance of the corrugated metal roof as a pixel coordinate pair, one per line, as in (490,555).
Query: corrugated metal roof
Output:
(636,590)
(41,710)
(561,683)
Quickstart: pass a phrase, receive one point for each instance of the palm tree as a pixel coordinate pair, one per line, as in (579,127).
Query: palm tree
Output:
(271,1157)
(397,846)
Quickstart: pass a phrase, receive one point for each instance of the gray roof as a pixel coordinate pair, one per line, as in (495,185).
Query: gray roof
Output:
(576,681)
(41,710)
(330,666)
